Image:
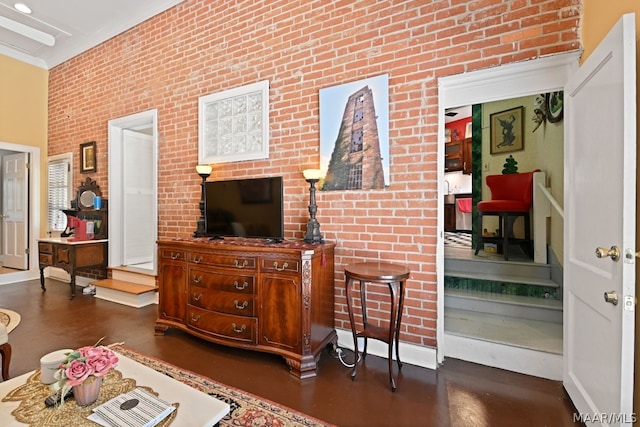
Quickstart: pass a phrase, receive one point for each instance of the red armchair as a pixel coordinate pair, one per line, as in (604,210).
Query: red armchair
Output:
(511,197)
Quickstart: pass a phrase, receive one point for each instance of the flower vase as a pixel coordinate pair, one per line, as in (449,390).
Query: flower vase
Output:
(87,392)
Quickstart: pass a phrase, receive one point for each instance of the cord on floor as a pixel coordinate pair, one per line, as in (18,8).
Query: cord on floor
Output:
(339,353)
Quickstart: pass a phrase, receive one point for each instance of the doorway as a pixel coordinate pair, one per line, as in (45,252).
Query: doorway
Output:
(482,87)
(133,206)
(33,214)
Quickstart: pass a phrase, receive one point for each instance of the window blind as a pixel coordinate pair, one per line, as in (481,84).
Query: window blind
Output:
(58,192)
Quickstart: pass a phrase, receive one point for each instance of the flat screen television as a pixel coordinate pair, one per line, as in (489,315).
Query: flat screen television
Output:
(244,208)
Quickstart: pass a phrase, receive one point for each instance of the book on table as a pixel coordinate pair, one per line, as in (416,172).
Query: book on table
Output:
(137,408)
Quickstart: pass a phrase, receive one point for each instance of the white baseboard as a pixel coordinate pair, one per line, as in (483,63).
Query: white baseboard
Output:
(409,353)
(516,359)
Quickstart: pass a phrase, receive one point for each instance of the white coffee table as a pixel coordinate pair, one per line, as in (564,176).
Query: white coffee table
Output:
(196,408)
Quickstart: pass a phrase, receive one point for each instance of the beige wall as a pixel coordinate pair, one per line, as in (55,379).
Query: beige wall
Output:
(23,112)
(543,149)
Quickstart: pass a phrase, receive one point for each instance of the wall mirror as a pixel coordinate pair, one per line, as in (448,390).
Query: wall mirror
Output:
(86,193)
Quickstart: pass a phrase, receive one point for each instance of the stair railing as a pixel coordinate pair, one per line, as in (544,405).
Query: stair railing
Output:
(543,200)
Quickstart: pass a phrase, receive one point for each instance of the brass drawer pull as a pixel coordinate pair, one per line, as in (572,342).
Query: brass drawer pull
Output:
(194,319)
(238,331)
(240,287)
(241,307)
(197,260)
(284,266)
(197,279)
(243,265)
(197,297)
(175,255)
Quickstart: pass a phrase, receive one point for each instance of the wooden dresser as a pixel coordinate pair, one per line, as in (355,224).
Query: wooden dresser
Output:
(276,298)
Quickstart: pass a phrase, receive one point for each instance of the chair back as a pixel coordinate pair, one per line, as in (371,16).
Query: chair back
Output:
(514,186)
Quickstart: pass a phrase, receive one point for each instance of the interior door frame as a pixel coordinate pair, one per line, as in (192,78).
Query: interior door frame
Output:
(35,197)
(526,78)
(145,119)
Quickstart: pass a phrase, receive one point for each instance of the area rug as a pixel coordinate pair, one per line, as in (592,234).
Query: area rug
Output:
(247,410)
(9,318)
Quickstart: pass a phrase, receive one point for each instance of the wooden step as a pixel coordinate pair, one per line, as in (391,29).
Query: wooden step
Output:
(133,275)
(126,293)
(122,286)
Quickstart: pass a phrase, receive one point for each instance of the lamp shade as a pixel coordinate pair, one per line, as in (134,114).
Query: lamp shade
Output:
(204,169)
(312,173)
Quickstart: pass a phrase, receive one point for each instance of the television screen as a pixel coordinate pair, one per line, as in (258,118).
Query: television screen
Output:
(245,208)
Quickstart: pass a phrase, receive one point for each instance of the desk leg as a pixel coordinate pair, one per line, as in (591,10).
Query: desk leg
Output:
(42,279)
(72,283)
(348,288)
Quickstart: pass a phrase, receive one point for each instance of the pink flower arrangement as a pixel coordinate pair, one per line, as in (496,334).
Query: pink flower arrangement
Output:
(86,363)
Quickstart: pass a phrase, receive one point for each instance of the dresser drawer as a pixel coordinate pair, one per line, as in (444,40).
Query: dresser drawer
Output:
(45,259)
(279,264)
(226,326)
(173,254)
(225,302)
(240,262)
(221,281)
(45,247)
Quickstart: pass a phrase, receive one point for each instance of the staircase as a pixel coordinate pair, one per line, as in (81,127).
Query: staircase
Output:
(483,299)
(134,287)
(505,314)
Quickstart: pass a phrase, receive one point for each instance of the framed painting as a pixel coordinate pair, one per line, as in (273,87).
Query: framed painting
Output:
(507,131)
(233,125)
(88,157)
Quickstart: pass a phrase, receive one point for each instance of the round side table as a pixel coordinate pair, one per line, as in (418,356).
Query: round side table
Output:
(394,276)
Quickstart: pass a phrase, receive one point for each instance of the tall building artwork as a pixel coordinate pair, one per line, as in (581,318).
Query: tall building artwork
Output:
(356,162)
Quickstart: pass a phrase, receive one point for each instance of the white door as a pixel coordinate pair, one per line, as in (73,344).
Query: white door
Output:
(600,197)
(139,220)
(15,206)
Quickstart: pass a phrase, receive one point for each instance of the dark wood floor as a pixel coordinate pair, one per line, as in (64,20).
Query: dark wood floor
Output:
(457,394)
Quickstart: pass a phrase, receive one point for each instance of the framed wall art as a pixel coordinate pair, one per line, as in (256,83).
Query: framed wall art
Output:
(88,157)
(233,125)
(507,131)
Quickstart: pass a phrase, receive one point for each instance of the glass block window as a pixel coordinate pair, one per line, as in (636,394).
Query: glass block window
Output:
(234,124)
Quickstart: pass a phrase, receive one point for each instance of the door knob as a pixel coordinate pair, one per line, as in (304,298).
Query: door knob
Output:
(611,297)
(614,253)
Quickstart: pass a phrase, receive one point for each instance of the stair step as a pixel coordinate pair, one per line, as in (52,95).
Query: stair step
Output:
(516,306)
(509,278)
(515,271)
(122,286)
(133,275)
(126,293)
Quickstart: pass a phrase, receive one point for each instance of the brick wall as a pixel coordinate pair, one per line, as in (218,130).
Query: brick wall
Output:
(201,47)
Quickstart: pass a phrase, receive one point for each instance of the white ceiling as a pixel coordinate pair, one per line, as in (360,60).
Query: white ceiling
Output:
(76,26)
(460,113)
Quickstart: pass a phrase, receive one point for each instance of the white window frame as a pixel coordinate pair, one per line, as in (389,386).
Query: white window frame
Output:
(68,159)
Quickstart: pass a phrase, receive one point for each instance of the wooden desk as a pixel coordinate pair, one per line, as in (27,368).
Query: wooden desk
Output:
(71,256)
(196,408)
